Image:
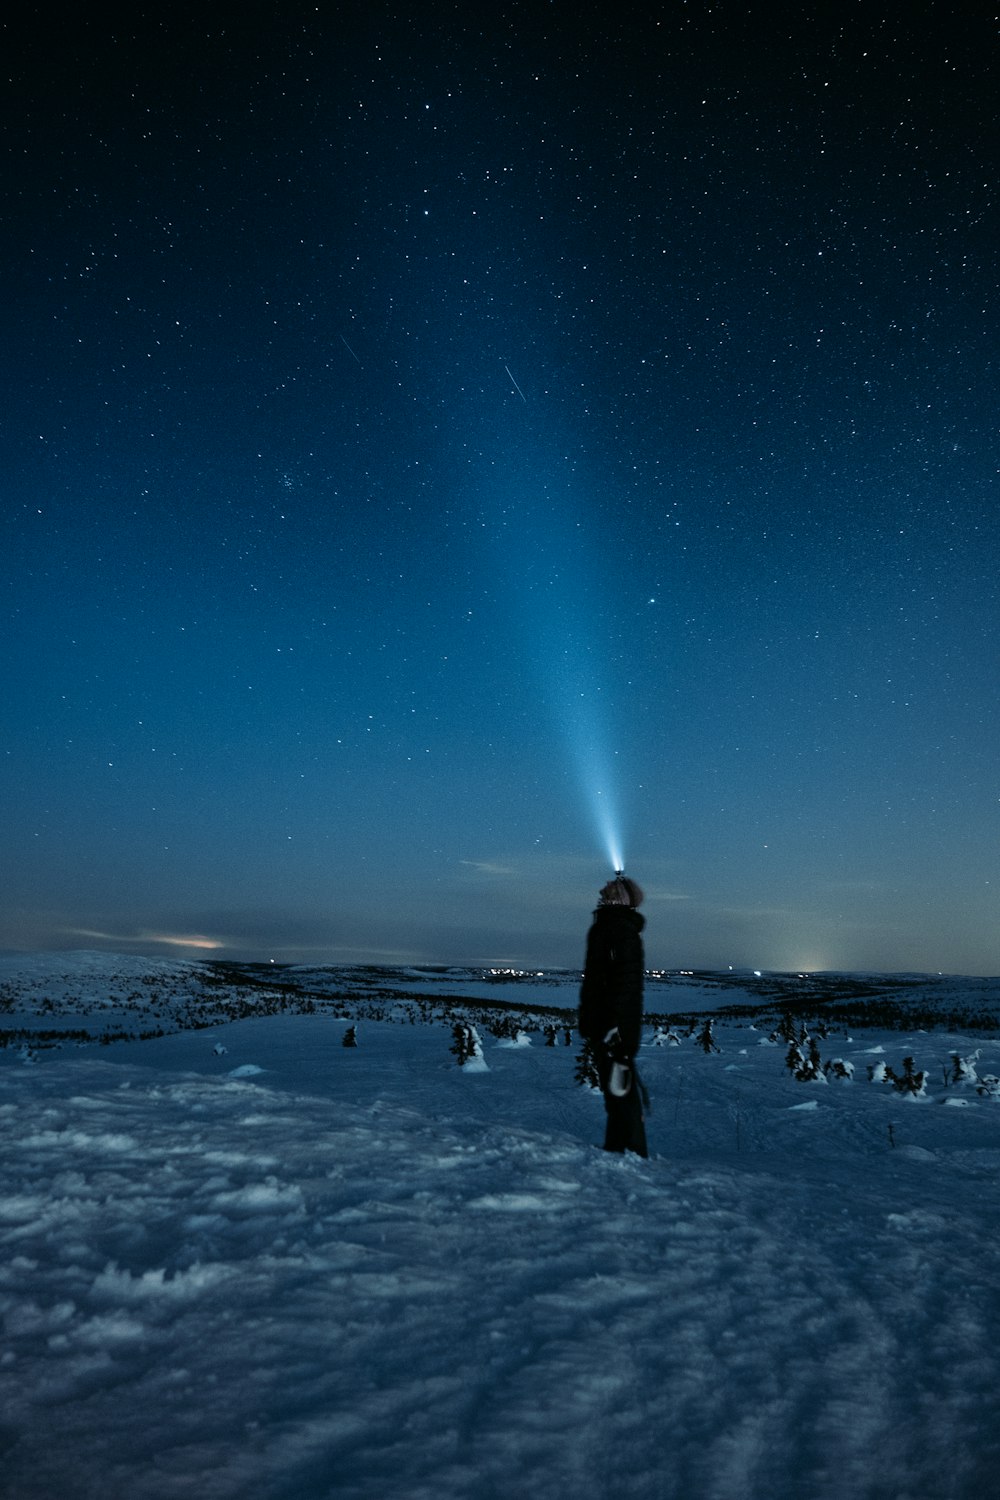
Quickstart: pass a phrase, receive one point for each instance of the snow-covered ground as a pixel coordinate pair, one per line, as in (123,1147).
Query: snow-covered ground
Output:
(247,1261)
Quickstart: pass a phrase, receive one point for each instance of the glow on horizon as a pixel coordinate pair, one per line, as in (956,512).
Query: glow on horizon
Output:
(169,940)
(185,942)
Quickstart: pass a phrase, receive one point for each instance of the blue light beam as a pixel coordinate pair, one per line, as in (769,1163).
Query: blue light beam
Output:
(572,696)
(558,592)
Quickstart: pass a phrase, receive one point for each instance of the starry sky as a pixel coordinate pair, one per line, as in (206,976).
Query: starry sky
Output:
(449,448)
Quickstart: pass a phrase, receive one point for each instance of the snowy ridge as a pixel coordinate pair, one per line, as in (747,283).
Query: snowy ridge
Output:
(125,996)
(247,1261)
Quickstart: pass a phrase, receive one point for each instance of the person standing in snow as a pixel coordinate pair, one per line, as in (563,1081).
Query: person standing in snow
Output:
(610,1015)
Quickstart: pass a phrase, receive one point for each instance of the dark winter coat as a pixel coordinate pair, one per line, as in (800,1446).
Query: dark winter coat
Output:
(611,992)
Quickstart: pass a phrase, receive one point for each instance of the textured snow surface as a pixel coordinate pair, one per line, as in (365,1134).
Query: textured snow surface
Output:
(293,1269)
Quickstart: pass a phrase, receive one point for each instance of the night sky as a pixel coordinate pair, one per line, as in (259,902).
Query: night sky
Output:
(447,448)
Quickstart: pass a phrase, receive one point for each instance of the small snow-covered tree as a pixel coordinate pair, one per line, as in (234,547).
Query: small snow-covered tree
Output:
(838,1068)
(461,1045)
(811,1068)
(706,1038)
(909,1082)
(586,1074)
(467,1047)
(350,1037)
(803,1060)
(786,1029)
(476,1059)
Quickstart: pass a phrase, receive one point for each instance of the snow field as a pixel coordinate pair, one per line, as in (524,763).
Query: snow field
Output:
(360,1273)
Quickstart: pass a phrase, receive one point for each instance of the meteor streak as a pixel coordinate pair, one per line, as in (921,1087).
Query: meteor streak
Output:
(516,386)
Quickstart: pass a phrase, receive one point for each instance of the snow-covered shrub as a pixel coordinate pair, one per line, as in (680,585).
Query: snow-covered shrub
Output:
(963,1069)
(665,1038)
(517,1037)
(988,1087)
(350,1038)
(838,1068)
(909,1082)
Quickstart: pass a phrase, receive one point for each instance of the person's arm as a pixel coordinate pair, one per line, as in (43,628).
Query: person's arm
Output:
(628,984)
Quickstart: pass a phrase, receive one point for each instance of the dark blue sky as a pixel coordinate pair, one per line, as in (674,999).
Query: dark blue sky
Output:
(435,436)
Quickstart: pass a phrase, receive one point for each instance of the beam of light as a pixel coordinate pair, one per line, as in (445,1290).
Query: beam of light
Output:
(558,569)
(587,746)
(556,581)
(608,830)
(581,709)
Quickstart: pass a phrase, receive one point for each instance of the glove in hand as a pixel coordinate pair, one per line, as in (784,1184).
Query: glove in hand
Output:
(616,1047)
